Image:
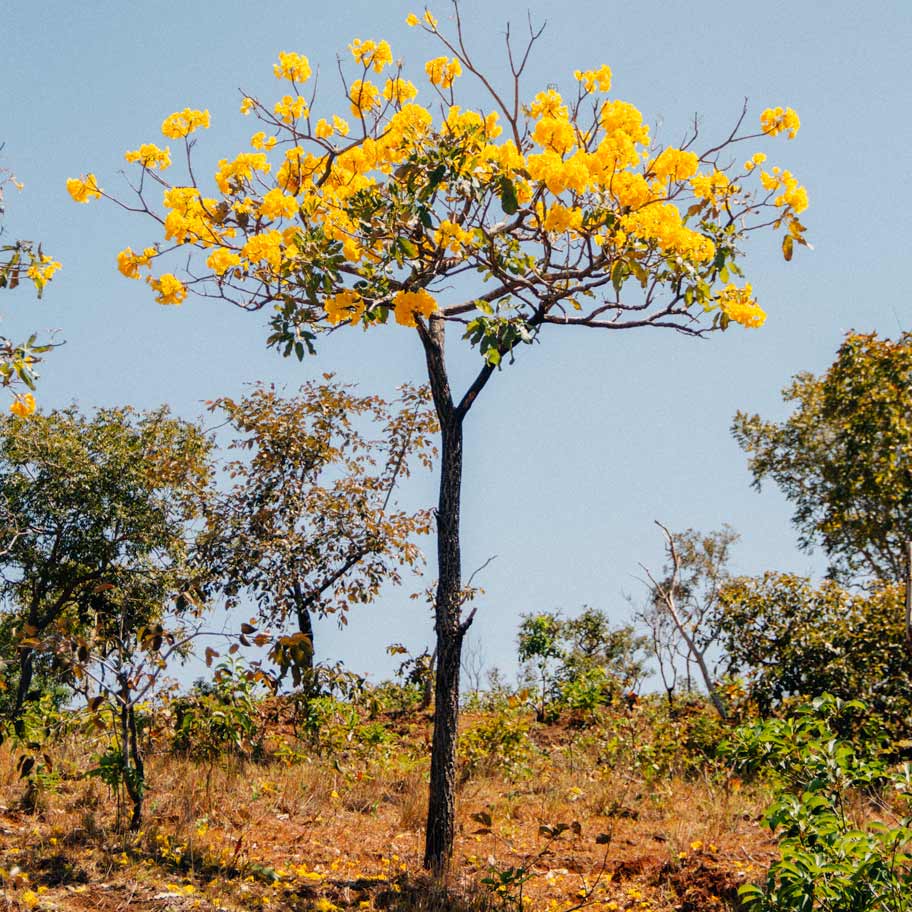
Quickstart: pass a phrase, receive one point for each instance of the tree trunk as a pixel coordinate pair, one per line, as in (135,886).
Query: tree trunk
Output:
(449,628)
(305,624)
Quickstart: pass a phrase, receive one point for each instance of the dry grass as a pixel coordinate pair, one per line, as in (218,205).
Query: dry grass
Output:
(345,830)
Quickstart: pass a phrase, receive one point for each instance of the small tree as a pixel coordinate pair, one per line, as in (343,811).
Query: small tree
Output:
(844,457)
(309,525)
(98,522)
(538,211)
(539,645)
(688,593)
(791,638)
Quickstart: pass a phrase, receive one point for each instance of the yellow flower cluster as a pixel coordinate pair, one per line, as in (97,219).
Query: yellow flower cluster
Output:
(662,224)
(738,305)
(793,195)
(221,260)
(619,116)
(129,263)
(294,67)
(399,91)
(346,306)
(412,20)
(410,304)
(560,219)
(675,165)
(183,123)
(23,405)
(232,174)
(548,104)
(592,78)
(277,205)
(264,247)
(261,142)
(442,71)
(758,158)
(169,288)
(42,271)
(453,237)
(774,121)
(365,97)
(711,187)
(556,134)
(291,108)
(376,54)
(190,218)
(150,156)
(84,188)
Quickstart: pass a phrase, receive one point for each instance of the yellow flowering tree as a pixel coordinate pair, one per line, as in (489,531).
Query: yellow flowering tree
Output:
(535,210)
(22,260)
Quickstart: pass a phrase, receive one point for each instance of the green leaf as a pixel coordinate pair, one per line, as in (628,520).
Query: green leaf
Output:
(508,199)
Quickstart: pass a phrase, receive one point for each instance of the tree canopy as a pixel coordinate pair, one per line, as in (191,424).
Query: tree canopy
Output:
(844,456)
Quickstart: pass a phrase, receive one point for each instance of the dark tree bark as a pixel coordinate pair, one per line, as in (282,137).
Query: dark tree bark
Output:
(449,625)
(305,623)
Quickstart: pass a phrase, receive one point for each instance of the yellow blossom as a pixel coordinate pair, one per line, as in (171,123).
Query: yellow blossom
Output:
(346,306)
(376,54)
(409,304)
(294,67)
(42,271)
(548,104)
(738,305)
(555,134)
(365,97)
(222,259)
(442,71)
(233,173)
(712,187)
(323,129)
(169,288)
(247,105)
(430,19)
(150,156)
(291,108)
(758,158)
(260,141)
(267,246)
(277,205)
(452,237)
(411,20)
(774,121)
(23,405)
(183,123)
(84,188)
(128,263)
(624,117)
(674,164)
(399,91)
(592,78)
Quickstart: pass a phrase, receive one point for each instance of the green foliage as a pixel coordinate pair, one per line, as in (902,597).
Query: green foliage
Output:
(791,638)
(844,456)
(308,525)
(220,718)
(579,663)
(656,740)
(830,859)
(497,743)
(96,519)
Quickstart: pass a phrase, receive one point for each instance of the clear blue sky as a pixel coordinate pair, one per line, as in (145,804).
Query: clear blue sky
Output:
(574,451)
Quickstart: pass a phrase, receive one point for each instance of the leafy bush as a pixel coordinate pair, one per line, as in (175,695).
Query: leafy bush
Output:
(498,743)
(829,860)
(791,638)
(221,717)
